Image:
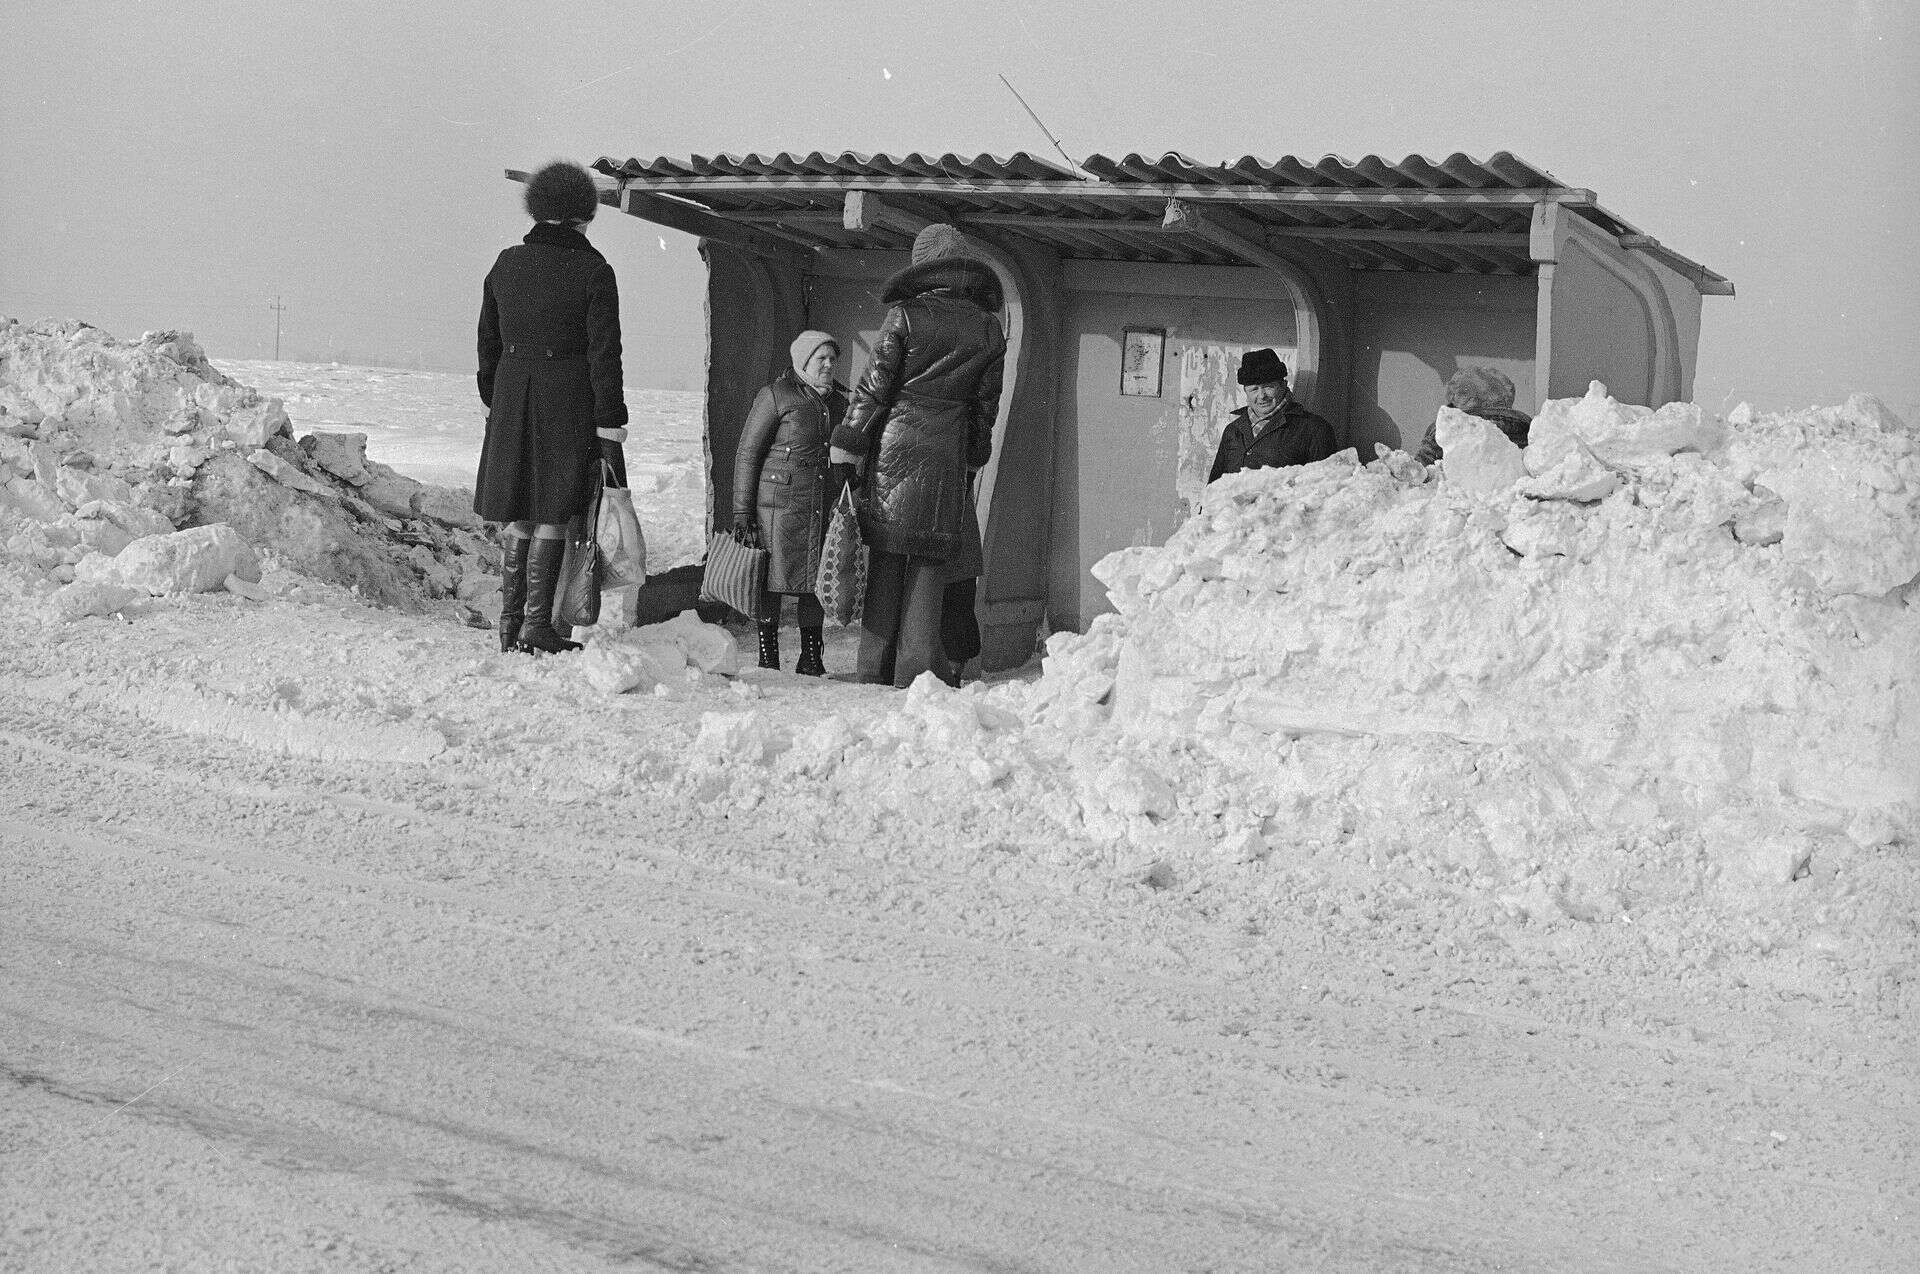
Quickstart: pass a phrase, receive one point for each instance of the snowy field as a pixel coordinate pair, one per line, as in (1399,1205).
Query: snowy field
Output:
(1511,870)
(429,426)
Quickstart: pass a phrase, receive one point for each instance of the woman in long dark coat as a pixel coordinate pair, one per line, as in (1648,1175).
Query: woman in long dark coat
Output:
(922,417)
(780,491)
(550,377)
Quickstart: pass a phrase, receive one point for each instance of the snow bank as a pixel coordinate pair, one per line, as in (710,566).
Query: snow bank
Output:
(108,449)
(1637,631)
(1658,670)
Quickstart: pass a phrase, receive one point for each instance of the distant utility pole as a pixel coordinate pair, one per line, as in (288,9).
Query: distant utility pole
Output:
(278,309)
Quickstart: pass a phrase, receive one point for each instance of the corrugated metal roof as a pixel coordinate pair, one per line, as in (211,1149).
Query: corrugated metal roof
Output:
(1020,167)
(1457,214)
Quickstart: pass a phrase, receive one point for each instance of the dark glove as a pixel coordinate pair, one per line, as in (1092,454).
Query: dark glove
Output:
(615,456)
(746,529)
(840,477)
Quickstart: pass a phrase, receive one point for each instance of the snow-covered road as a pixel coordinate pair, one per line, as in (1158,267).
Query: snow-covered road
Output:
(269,1011)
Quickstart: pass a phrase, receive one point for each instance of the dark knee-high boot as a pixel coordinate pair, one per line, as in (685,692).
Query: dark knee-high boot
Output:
(770,644)
(513,589)
(543,575)
(813,649)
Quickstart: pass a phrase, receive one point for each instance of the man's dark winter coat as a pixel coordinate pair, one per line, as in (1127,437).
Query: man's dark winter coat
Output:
(925,410)
(549,375)
(1296,436)
(780,475)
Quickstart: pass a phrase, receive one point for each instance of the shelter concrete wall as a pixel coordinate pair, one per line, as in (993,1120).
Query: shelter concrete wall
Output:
(1602,329)
(754,310)
(1413,331)
(1684,300)
(1118,459)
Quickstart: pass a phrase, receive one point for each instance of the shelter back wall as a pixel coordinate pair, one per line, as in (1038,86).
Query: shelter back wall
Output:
(1413,331)
(1117,457)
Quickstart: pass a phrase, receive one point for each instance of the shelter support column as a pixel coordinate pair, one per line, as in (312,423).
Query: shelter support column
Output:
(1543,242)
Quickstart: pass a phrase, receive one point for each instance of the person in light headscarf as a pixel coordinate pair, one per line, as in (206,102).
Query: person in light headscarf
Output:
(1486,392)
(780,491)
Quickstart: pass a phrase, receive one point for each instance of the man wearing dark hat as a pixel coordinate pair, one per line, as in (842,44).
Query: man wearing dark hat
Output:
(1272,430)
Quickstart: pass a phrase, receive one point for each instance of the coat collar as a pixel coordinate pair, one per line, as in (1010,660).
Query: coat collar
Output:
(1290,410)
(797,382)
(553,236)
(962,276)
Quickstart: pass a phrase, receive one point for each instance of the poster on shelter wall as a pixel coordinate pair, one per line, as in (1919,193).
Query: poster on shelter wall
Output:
(1209,395)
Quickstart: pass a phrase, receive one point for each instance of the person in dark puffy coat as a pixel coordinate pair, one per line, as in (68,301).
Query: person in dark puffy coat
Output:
(1486,392)
(922,420)
(550,377)
(780,491)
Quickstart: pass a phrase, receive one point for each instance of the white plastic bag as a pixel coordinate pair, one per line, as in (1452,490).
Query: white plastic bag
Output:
(623,549)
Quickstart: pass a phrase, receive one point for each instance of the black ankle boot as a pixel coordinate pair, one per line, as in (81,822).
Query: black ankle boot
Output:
(513,589)
(813,648)
(543,575)
(770,644)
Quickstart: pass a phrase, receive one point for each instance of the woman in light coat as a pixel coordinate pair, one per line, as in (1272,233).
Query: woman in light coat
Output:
(780,491)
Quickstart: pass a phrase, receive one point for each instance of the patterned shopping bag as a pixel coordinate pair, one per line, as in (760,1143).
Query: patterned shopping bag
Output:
(841,584)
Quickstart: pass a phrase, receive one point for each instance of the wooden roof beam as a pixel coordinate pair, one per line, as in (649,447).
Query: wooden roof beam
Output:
(949,187)
(1432,238)
(865,211)
(1021,223)
(698,221)
(678,215)
(1182,217)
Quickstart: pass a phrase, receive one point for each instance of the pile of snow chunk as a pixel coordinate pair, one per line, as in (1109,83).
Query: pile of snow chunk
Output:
(108,449)
(1671,636)
(617,661)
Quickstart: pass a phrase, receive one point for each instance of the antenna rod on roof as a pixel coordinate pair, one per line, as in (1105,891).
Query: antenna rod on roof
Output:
(1043,128)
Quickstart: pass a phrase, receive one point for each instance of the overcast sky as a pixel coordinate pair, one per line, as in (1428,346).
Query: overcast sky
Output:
(181,164)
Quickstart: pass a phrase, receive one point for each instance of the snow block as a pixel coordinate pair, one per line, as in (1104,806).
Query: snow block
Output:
(391,493)
(283,472)
(342,455)
(33,498)
(252,425)
(1616,433)
(78,487)
(197,560)
(79,600)
(1479,458)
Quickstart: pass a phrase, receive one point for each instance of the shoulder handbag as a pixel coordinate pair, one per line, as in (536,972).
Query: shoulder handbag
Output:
(735,575)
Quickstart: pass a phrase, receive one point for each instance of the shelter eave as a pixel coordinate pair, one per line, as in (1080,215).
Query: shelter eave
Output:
(1456,214)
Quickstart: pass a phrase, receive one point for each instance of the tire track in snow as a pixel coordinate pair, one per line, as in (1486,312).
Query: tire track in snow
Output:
(907,1062)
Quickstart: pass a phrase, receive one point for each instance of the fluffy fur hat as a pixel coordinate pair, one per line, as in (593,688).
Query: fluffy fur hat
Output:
(1472,387)
(562,191)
